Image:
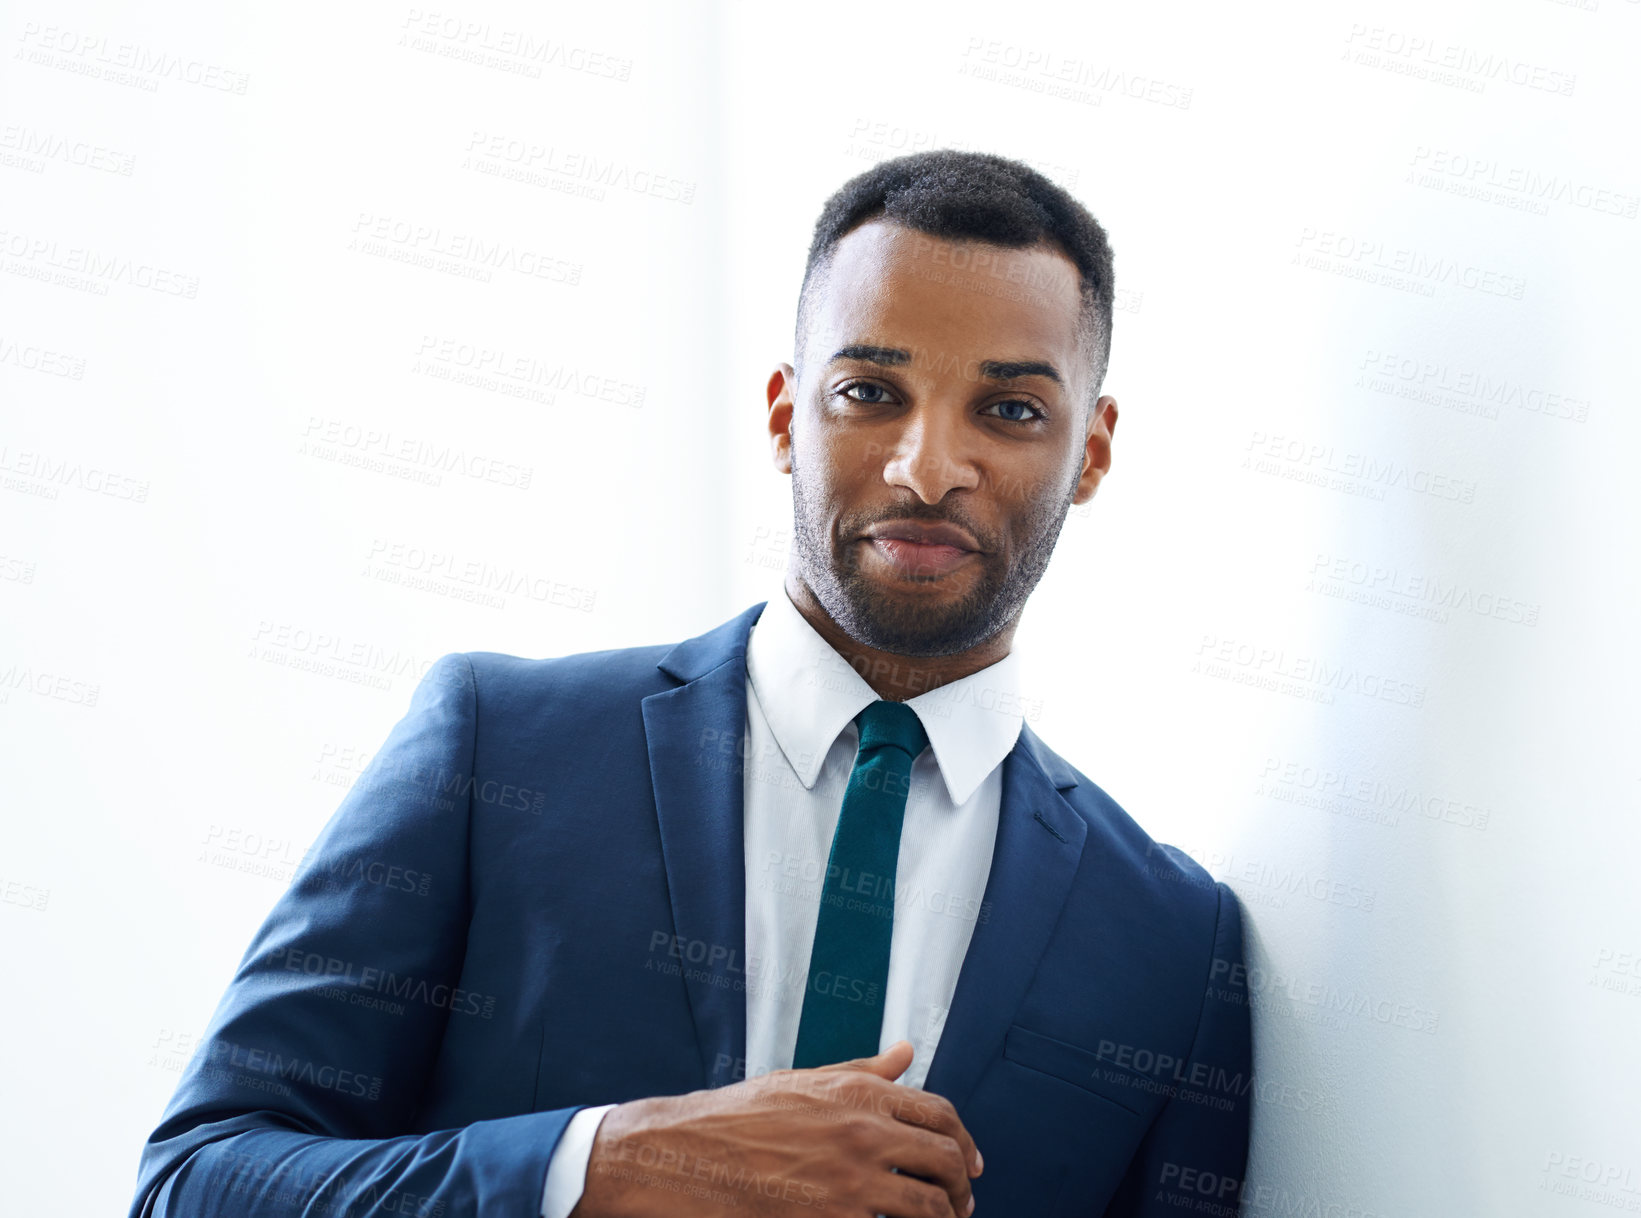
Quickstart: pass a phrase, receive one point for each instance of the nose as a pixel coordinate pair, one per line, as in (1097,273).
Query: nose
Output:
(929,457)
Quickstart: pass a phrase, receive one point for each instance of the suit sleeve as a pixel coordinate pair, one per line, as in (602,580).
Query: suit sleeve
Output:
(315,1064)
(1194,1156)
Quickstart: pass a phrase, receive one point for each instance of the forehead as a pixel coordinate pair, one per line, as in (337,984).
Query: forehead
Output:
(894,285)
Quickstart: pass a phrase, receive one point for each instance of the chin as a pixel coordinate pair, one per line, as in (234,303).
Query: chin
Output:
(911,622)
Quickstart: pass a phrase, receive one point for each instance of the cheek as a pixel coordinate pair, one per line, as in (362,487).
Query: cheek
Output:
(842,463)
(1022,489)
(1034,500)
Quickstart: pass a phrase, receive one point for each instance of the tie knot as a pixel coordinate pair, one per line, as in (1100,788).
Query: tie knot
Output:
(893,723)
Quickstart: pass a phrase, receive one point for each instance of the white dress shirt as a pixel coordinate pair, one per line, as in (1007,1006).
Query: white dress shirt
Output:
(801,700)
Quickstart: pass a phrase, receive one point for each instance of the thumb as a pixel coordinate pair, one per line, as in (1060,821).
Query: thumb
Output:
(891,1063)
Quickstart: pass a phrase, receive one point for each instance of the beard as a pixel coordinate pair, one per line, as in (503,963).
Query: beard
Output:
(909,624)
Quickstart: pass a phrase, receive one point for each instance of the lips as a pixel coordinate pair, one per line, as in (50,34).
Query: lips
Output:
(932,533)
(911,558)
(915,548)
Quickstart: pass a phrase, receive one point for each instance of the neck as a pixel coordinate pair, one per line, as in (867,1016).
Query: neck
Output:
(894,677)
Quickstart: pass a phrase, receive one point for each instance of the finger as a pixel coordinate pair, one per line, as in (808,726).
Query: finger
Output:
(902,1196)
(938,1159)
(935,1113)
(889,1064)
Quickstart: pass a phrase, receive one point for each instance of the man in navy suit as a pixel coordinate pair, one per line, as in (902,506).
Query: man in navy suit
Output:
(795,915)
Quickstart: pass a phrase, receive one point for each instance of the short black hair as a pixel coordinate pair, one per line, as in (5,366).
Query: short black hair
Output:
(958,195)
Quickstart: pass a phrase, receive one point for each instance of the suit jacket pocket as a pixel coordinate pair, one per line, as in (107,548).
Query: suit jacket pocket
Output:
(1071,1064)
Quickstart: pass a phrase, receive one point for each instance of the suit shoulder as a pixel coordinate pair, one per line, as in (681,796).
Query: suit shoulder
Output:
(581,678)
(1166,872)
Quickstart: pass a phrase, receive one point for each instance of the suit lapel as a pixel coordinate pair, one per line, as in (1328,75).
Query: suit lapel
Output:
(1039,843)
(694,736)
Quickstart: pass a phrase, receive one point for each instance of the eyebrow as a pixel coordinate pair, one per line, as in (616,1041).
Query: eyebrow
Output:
(990,369)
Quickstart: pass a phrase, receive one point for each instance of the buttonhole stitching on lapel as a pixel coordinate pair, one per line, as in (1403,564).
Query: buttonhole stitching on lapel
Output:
(1038,817)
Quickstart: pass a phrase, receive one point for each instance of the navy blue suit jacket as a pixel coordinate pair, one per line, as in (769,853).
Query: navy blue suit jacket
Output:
(533,900)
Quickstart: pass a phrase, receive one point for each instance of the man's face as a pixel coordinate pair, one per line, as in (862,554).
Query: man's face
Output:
(938,437)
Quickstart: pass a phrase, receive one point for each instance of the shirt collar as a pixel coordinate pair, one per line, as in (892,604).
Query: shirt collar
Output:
(810,694)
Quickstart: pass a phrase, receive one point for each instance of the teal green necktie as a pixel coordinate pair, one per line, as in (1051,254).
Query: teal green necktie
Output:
(842,1014)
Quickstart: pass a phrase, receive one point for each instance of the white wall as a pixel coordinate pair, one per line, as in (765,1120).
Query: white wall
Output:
(1352,619)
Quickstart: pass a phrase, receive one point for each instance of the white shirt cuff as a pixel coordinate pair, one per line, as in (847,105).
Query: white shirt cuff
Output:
(567,1169)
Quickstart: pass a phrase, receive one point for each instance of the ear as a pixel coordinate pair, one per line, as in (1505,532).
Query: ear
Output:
(783,383)
(1102,423)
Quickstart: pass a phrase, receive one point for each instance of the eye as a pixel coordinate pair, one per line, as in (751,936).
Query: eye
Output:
(1011,408)
(847,391)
